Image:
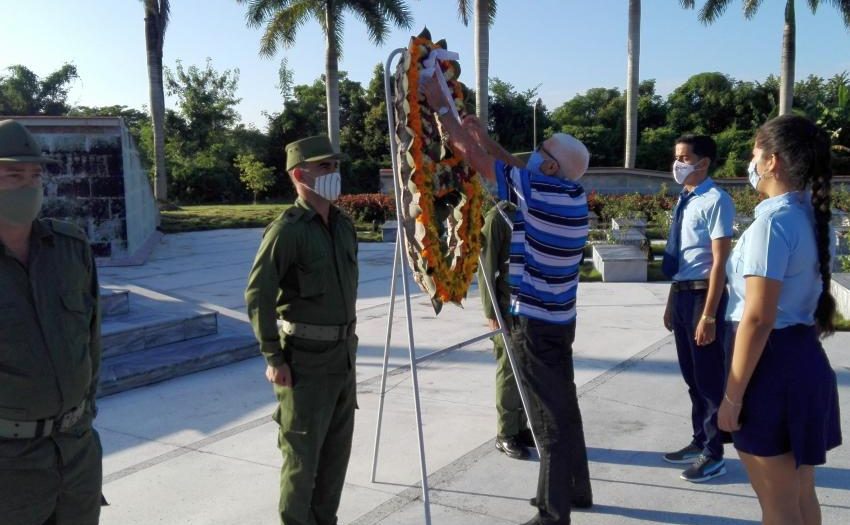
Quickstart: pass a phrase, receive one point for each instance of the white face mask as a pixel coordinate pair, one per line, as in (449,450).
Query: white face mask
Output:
(681,171)
(753,175)
(327,186)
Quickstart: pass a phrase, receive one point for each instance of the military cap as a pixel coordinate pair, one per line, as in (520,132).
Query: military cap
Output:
(311,149)
(17,145)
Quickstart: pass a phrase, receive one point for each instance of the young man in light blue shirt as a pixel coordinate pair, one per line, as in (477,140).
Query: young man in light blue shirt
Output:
(698,246)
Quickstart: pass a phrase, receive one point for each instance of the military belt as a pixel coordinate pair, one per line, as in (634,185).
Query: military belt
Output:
(10,429)
(319,332)
(683,286)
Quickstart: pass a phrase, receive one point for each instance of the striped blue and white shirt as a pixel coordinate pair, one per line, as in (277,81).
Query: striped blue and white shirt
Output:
(549,233)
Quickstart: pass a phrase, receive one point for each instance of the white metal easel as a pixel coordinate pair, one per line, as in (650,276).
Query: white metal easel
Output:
(398,256)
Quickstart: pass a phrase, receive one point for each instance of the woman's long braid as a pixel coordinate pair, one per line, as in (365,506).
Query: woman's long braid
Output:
(822,204)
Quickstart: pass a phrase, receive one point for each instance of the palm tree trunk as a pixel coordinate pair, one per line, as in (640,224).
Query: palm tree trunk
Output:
(482,60)
(789,53)
(332,75)
(153,38)
(632,81)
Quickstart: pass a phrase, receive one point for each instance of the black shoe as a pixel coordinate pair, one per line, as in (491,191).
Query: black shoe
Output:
(525,439)
(511,447)
(704,469)
(687,455)
(577,502)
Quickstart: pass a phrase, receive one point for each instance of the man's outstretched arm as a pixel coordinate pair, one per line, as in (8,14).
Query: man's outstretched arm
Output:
(460,139)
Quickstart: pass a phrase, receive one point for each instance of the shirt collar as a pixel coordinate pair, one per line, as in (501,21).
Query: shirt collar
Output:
(704,186)
(791,198)
(309,212)
(39,232)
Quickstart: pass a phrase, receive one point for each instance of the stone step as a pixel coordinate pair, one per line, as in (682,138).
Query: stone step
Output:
(119,373)
(154,320)
(114,302)
(135,332)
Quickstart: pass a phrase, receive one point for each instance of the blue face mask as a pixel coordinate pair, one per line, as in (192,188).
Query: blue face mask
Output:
(535,161)
(753,174)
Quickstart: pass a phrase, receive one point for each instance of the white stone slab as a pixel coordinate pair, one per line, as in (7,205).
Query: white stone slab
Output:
(629,224)
(620,263)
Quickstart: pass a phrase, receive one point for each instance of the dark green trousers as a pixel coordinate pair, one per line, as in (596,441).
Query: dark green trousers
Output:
(511,416)
(52,480)
(316,418)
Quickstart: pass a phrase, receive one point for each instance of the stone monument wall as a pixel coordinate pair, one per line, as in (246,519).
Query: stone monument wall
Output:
(99,184)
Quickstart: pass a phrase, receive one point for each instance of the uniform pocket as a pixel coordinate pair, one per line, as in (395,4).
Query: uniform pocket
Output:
(76,320)
(312,278)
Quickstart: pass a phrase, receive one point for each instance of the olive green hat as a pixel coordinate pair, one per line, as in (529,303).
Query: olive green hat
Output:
(311,149)
(17,145)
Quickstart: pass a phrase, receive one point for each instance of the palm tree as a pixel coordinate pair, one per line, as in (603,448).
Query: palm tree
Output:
(156,20)
(632,81)
(282,19)
(485,15)
(713,9)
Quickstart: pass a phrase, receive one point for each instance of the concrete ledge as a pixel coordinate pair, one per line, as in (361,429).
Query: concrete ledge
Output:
(620,263)
(389,231)
(841,291)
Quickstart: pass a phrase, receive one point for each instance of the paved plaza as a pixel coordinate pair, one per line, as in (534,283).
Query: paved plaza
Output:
(201,449)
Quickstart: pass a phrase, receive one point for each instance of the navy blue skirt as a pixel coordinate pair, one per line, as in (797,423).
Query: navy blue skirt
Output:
(791,402)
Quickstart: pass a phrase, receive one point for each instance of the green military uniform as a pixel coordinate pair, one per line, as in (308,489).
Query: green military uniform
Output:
(50,456)
(305,273)
(495,254)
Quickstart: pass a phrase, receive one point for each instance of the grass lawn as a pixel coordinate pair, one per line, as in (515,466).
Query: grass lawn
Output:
(217,217)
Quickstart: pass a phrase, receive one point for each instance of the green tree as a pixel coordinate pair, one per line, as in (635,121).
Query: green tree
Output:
(714,9)
(256,176)
(157,14)
(283,18)
(22,92)
(376,138)
(703,104)
(512,116)
(206,99)
(597,118)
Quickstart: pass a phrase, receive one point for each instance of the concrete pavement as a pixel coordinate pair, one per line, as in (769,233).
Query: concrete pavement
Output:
(201,449)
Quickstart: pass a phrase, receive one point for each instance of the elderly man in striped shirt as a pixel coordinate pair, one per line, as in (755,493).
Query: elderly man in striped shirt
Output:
(549,233)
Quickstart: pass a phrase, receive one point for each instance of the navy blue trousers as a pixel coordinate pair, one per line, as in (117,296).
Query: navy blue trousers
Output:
(545,354)
(703,367)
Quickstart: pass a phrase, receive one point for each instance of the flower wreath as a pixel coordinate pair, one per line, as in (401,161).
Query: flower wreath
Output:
(441,196)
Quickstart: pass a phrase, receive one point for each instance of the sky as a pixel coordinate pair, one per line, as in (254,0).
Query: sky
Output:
(563,46)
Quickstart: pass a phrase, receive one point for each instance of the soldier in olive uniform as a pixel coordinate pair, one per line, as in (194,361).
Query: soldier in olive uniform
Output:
(305,275)
(50,456)
(513,436)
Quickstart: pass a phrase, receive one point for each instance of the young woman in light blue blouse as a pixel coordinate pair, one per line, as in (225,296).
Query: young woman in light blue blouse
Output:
(781,399)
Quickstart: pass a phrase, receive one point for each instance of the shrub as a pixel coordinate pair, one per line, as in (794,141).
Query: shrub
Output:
(745,199)
(632,205)
(368,207)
